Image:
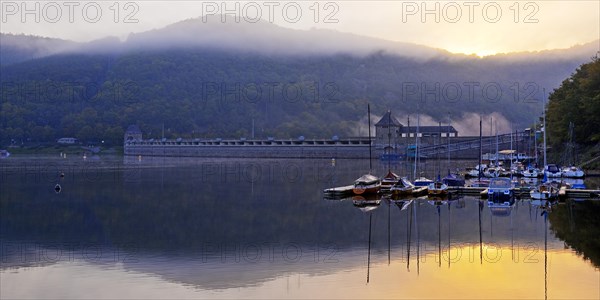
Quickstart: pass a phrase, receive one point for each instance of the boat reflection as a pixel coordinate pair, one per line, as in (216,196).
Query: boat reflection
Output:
(367,203)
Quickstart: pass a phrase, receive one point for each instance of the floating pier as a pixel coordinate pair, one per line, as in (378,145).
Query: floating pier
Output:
(339,192)
(522,192)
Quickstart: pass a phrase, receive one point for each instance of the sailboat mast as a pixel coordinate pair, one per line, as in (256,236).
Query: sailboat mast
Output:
(437,151)
(535,145)
(480,146)
(448,142)
(544,114)
(416,146)
(407,136)
(497,154)
(511,148)
(370,152)
(491,140)
(389,140)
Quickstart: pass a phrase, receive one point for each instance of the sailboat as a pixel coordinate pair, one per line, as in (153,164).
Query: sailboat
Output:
(480,167)
(551,170)
(452,179)
(390,178)
(546,191)
(402,187)
(531,172)
(367,184)
(438,188)
(571,171)
(420,183)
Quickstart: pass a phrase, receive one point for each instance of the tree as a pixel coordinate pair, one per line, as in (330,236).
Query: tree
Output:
(577,100)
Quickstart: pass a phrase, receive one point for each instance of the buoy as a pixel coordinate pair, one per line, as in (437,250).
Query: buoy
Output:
(84,156)
(57,188)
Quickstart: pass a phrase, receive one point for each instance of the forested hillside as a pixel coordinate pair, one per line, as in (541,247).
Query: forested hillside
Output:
(207,91)
(576,101)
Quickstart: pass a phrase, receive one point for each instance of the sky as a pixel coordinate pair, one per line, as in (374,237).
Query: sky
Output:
(470,27)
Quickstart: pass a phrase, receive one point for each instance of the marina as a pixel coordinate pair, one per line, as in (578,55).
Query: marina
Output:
(345,191)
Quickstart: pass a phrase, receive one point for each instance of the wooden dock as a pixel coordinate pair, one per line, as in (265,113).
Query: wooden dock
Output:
(345,191)
(339,192)
(524,192)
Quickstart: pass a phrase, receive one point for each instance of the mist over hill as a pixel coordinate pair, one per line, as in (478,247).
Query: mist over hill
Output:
(212,79)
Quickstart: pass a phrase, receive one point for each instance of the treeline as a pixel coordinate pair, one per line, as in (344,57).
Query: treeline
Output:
(207,93)
(576,101)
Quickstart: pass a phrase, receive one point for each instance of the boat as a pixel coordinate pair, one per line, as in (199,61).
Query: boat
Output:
(366,184)
(552,171)
(4,153)
(474,172)
(419,191)
(422,181)
(492,172)
(480,167)
(437,189)
(402,187)
(517,169)
(544,191)
(572,172)
(531,172)
(453,180)
(389,180)
(500,190)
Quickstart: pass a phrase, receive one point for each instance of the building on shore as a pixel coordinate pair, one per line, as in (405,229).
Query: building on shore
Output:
(391,136)
(132,134)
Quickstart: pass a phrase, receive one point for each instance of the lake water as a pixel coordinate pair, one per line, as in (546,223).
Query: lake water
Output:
(200,228)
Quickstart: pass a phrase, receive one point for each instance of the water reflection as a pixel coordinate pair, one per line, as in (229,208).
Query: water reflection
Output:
(239,228)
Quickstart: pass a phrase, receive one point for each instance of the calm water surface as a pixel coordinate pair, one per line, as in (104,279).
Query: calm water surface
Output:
(194,228)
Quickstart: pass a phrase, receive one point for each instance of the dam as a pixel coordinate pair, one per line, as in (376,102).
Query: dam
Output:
(465,147)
